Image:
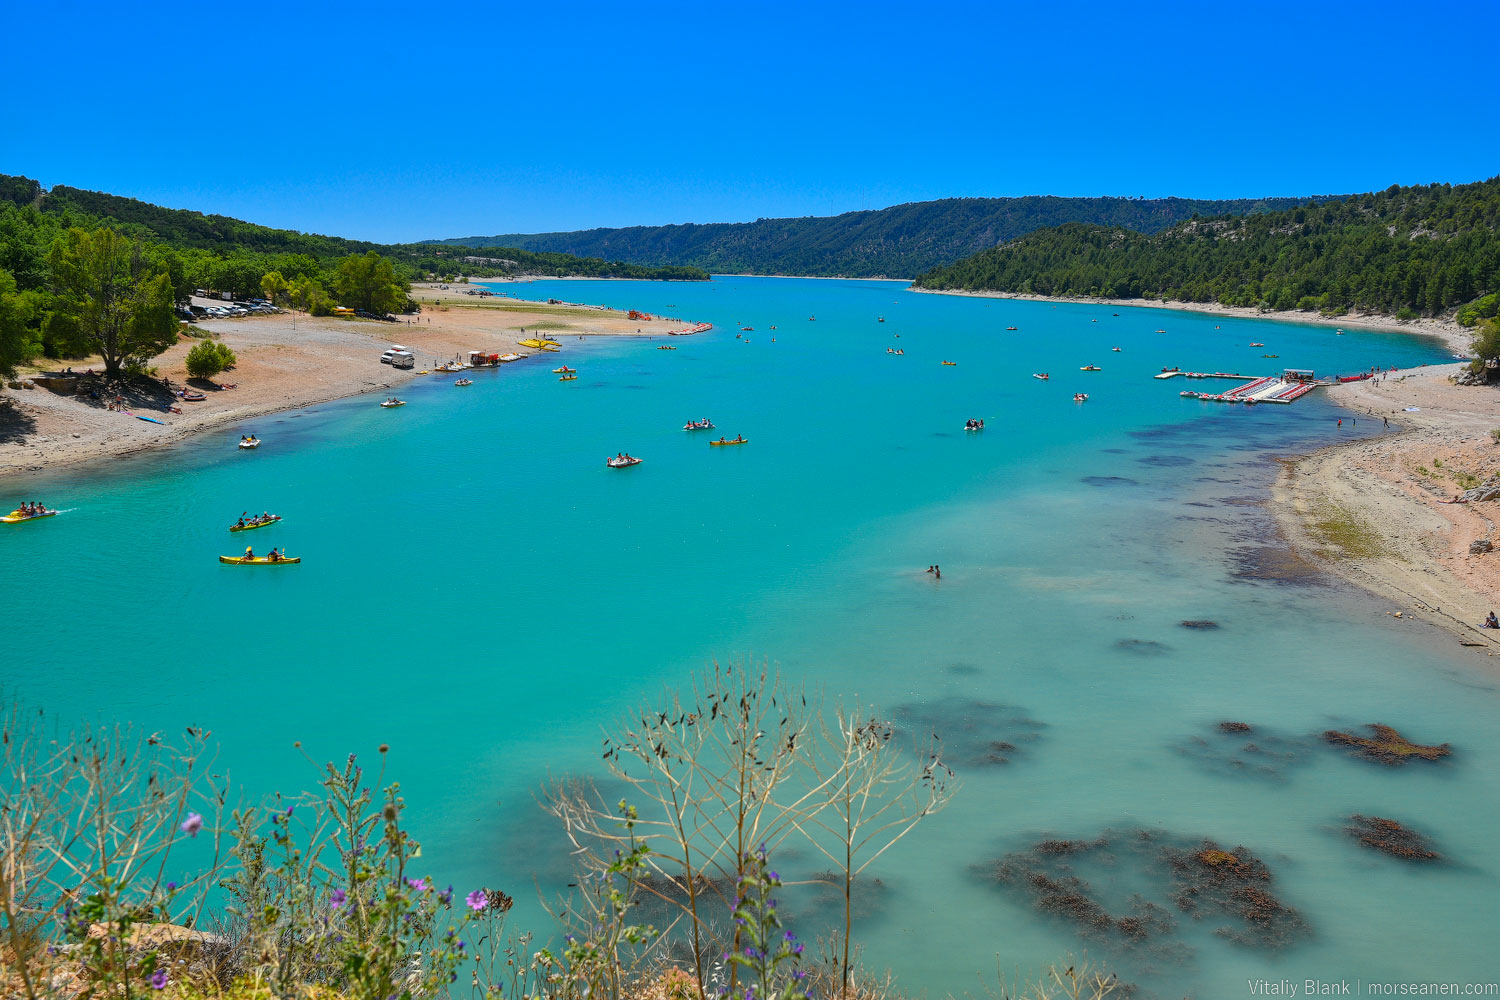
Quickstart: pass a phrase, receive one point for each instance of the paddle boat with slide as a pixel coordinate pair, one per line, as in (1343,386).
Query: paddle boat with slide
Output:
(249,443)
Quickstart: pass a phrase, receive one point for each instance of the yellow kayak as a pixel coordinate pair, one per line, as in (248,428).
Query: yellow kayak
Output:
(721,443)
(17,516)
(531,342)
(567,378)
(259,524)
(259,560)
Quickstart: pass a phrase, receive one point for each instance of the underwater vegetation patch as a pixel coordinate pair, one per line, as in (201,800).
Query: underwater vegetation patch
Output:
(1386,746)
(1390,837)
(1202,624)
(1234,749)
(1236,884)
(973,732)
(1109,481)
(1171,874)
(1143,647)
(1166,461)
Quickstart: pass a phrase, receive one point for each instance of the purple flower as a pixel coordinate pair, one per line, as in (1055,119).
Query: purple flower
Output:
(159,979)
(338,898)
(171,886)
(417,884)
(446,896)
(191,826)
(477,900)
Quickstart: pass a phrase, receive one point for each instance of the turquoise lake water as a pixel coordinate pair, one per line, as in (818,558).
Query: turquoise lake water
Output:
(483,594)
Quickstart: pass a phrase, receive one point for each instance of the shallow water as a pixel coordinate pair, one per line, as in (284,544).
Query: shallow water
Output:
(481,593)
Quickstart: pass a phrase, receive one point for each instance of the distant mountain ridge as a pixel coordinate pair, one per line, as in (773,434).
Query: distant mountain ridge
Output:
(900,242)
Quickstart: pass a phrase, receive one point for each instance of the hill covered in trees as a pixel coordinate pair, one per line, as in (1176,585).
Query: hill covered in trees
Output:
(1404,251)
(231,255)
(901,241)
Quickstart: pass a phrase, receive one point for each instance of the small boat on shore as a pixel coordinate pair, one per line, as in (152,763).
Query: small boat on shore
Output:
(249,443)
(191,396)
(464,381)
(622,461)
(18,515)
(255,522)
(722,443)
(259,560)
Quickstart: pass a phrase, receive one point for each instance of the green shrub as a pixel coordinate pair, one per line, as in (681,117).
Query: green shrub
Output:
(204,360)
(1405,312)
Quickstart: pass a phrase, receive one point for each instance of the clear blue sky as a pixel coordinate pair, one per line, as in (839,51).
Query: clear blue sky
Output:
(415,120)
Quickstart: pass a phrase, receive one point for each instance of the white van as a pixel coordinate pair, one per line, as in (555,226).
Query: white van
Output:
(403,359)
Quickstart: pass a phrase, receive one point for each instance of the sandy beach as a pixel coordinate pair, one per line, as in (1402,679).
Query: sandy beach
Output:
(1372,510)
(287,361)
(1456,338)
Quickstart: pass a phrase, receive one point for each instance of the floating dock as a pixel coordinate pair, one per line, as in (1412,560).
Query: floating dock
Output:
(1292,384)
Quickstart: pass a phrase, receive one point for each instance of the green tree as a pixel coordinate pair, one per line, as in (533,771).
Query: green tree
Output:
(306,293)
(273,286)
(368,282)
(20,341)
(113,304)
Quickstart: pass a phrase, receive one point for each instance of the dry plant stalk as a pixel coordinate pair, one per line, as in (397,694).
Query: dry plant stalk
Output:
(88,822)
(876,793)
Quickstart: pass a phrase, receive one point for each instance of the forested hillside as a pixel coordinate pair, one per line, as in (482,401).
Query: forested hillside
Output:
(892,242)
(1403,251)
(232,255)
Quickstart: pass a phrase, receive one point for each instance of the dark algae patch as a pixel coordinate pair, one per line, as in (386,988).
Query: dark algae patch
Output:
(1143,647)
(1129,889)
(973,732)
(1390,837)
(1109,481)
(1212,881)
(1386,746)
(1234,749)
(1202,624)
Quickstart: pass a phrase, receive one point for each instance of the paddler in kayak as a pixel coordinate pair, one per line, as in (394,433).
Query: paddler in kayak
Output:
(249,552)
(274,556)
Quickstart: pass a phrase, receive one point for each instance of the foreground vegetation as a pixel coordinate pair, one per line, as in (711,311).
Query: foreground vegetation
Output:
(891,242)
(127,871)
(1404,251)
